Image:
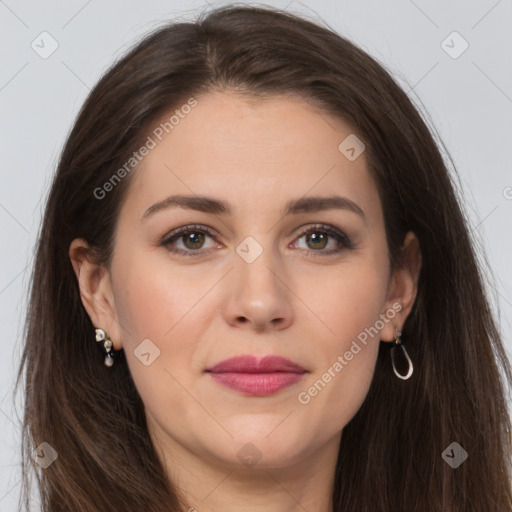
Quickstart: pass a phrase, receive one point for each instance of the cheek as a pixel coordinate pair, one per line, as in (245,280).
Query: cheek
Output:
(162,307)
(351,307)
(351,299)
(153,298)
(157,312)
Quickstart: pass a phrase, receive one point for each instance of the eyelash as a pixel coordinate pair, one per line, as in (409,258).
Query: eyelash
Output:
(340,237)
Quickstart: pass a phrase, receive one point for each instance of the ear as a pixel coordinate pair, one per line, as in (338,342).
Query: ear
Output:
(95,287)
(403,285)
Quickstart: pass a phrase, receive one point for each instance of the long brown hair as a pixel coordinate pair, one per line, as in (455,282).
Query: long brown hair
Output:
(390,454)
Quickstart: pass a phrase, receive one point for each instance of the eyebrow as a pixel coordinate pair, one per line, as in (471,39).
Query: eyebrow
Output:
(211,205)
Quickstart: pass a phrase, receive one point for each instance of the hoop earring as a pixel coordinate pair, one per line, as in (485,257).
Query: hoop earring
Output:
(102,336)
(398,342)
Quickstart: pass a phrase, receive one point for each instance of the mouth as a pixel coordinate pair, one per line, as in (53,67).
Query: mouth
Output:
(257,376)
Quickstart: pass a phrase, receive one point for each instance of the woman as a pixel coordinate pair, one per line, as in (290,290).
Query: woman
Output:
(257,229)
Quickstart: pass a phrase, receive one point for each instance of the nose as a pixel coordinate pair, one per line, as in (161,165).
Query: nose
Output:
(259,296)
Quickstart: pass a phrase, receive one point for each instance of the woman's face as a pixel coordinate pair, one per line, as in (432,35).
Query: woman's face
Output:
(308,285)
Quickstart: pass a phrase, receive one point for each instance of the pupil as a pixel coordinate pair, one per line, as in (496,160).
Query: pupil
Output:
(316,238)
(191,237)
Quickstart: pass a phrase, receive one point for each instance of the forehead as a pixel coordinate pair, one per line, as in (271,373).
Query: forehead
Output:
(250,153)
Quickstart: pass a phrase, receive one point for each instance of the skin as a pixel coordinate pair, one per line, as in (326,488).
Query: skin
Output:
(201,310)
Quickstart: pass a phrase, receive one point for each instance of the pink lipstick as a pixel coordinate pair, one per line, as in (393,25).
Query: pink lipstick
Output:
(257,376)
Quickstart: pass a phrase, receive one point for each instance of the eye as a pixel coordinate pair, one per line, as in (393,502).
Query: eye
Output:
(192,238)
(319,237)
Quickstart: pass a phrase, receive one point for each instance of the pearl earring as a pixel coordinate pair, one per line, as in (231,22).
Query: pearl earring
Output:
(102,336)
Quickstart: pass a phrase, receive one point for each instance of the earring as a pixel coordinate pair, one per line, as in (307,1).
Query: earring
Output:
(102,336)
(398,342)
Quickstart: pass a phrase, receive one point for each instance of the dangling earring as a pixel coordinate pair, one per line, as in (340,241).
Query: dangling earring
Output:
(107,345)
(398,342)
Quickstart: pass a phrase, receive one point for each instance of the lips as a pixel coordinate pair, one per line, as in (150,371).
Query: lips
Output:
(252,364)
(254,376)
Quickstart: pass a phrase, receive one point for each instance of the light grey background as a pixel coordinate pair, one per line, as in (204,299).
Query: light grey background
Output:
(469,99)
